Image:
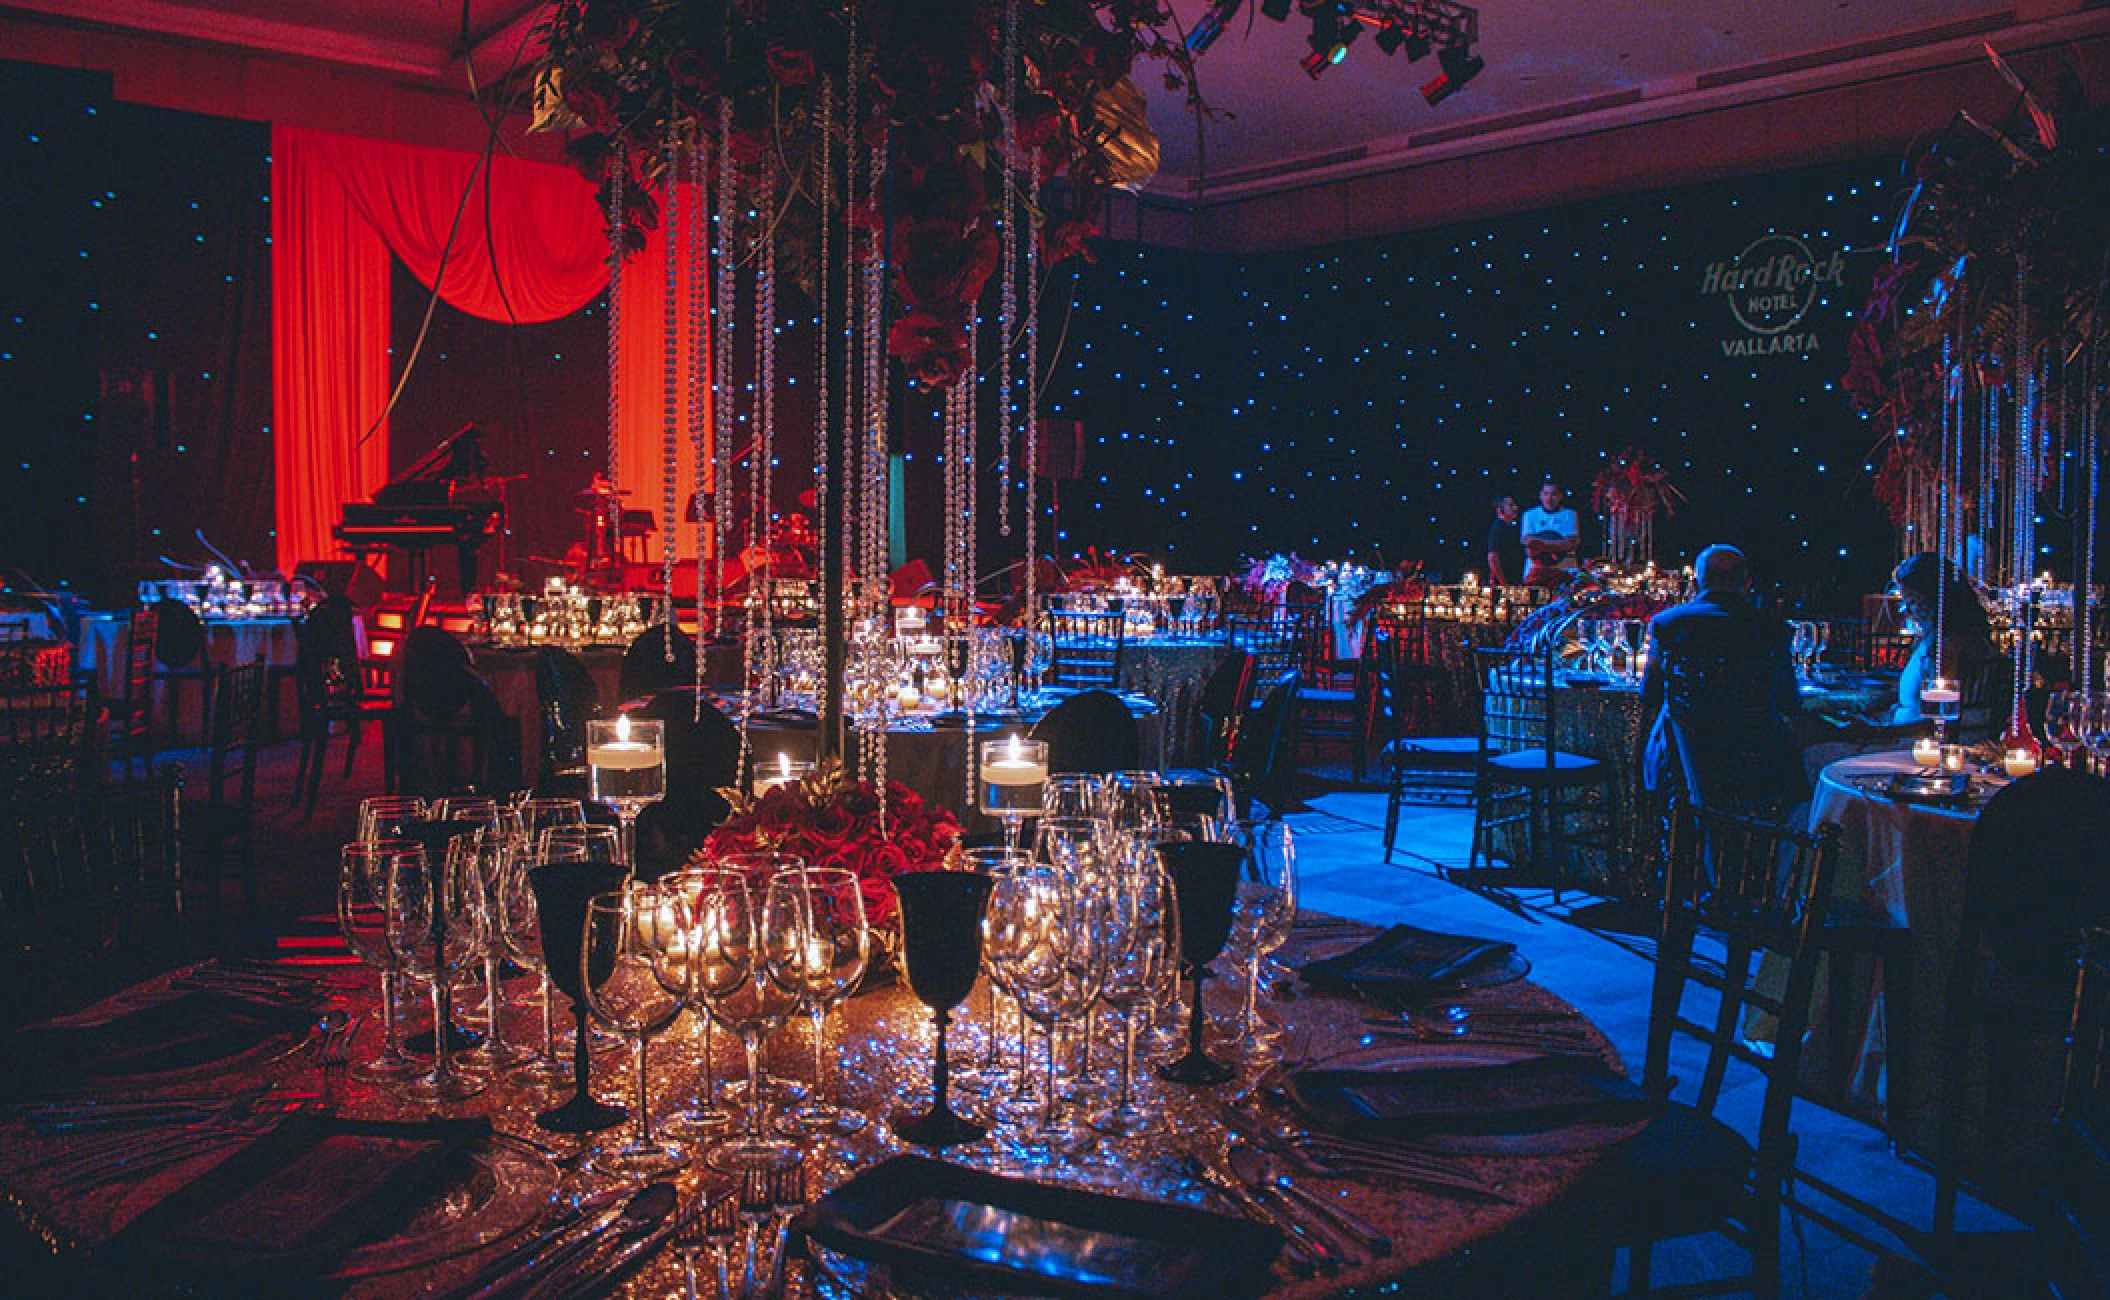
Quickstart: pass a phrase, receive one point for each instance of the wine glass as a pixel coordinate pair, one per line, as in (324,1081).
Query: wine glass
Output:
(1022,941)
(594,843)
(1205,884)
(1586,637)
(1070,841)
(706,1114)
(626,768)
(820,914)
(1073,794)
(519,924)
(363,872)
(540,814)
(1137,956)
(732,975)
(941,934)
(1799,645)
(479,809)
(1013,777)
(634,970)
(1132,799)
(1262,912)
(435,930)
(484,854)
(390,816)
(988,1074)
(563,889)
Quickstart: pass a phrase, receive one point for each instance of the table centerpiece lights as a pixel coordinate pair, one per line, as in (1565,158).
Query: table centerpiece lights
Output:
(626,768)
(1012,776)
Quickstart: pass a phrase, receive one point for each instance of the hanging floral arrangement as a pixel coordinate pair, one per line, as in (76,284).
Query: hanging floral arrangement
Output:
(1632,493)
(918,94)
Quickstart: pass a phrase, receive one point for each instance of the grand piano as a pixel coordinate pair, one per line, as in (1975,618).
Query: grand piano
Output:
(441,500)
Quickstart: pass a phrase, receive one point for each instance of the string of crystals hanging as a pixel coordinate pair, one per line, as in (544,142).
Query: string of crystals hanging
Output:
(671,393)
(701,224)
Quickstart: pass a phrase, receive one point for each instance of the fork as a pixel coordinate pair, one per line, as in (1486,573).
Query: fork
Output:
(691,1237)
(335,1056)
(721,1231)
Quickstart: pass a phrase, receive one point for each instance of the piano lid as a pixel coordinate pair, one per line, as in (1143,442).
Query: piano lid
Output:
(460,456)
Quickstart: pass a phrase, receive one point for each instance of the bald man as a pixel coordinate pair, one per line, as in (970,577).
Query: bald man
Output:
(1720,687)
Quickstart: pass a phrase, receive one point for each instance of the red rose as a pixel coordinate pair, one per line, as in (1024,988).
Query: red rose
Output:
(790,67)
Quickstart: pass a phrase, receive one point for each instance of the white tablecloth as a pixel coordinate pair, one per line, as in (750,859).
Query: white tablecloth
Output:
(179,707)
(1907,859)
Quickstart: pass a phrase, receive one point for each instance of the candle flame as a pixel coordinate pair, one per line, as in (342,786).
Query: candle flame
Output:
(622,728)
(1017,748)
(784,765)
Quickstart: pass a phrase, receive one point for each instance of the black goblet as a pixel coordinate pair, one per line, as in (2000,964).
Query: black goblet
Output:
(562,891)
(941,945)
(1205,880)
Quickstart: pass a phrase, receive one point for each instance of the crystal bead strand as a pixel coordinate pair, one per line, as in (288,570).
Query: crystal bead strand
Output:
(1030,616)
(700,336)
(823,429)
(724,310)
(1007,245)
(670,386)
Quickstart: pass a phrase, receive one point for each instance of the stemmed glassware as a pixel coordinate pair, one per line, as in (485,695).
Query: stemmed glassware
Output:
(1022,941)
(1137,923)
(390,816)
(941,941)
(1261,915)
(1073,794)
(988,1073)
(519,925)
(733,978)
(435,930)
(485,853)
(634,970)
(563,889)
(707,1114)
(1131,799)
(626,768)
(594,843)
(824,945)
(1012,778)
(1205,884)
(363,874)
(1048,948)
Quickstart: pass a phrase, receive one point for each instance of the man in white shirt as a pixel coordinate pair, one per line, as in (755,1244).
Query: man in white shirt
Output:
(1552,536)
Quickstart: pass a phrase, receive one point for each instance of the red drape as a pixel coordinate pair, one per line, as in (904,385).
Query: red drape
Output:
(329,350)
(340,205)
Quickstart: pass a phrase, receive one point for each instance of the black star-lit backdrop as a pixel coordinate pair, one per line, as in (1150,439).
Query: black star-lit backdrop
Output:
(1370,398)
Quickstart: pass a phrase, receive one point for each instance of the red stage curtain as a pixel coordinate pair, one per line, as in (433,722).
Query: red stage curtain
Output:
(329,349)
(340,205)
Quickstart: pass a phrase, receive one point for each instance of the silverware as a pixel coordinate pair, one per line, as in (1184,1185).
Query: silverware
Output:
(1307,1252)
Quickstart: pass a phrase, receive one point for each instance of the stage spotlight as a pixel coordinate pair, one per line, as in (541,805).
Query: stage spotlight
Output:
(1278,10)
(1323,57)
(1417,48)
(1389,38)
(1211,25)
(1460,65)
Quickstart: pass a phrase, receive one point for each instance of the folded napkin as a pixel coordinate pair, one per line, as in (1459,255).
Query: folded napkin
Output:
(176,1032)
(1404,963)
(289,1207)
(789,717)
(1524,1096)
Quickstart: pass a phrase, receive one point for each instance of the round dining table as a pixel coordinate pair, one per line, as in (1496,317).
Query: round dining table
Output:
(1904,859)
(179,707)
(510,672)
(1518,1215)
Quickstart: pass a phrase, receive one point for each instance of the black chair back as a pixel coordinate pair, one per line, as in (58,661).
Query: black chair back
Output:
(2075,1227)
(47,739)
(566,699)
(703,757)
(433,675)
(1761,889)
(326,666)
(646,671)
(1261,765)
(179,635)
(232,737)
(1222,707)
(1271,639)
(1518,704)
(1092,731)
(1087,647)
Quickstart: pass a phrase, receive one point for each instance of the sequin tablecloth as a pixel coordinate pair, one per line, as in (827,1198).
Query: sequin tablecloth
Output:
(1538,1238)
(1172,671)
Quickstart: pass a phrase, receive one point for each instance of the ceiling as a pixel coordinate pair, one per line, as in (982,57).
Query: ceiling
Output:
(1545,60)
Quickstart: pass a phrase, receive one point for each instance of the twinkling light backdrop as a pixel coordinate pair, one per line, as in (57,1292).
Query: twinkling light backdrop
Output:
(1370,398)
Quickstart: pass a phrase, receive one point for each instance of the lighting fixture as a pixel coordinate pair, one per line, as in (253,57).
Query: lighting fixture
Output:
(1211,24)
(1460,65)
(1278,10)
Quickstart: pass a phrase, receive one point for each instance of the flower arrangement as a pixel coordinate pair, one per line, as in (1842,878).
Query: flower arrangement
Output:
(1631,493)
(929,79)
(1270,576)
(832,821)
(1097,570)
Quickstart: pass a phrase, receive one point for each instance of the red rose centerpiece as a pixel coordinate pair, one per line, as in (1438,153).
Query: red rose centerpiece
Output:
(831,821)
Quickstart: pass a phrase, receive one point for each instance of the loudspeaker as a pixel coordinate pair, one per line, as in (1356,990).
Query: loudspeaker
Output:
(1061,449)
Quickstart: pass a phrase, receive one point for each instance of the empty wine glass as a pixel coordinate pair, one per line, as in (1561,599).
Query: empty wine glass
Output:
(1070,841)
(484,854)
(823,944)
(1131,799)
(1022,939)
(634,970)
(730,952)
(1262,912)
(390,816)
(1072,794)
(519,923)
(435,932)
(988,1074)
(1134,934)
(362,918)
(593,843)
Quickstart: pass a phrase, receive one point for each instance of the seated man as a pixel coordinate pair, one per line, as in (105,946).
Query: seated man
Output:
(1720,688)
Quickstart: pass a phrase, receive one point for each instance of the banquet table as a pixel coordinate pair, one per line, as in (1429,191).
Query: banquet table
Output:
(1542,1189)
(1172,671)
(932,759)
(179,709)
(1906,859)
